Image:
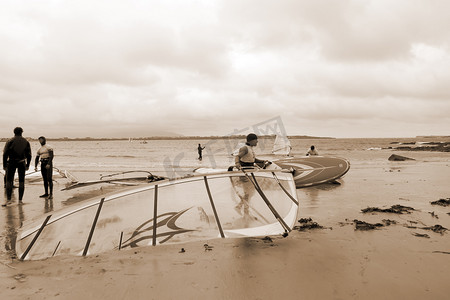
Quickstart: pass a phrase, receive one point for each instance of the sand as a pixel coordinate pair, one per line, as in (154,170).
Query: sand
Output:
(399,260)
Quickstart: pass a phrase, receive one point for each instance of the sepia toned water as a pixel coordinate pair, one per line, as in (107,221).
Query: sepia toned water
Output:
(163,156)
(372,177)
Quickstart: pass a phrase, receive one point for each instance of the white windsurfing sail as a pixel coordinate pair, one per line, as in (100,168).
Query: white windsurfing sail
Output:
(282,145)
(201,207)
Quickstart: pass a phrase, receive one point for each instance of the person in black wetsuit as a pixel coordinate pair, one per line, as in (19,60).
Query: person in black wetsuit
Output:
(200,149)
(45,153)
(16,156)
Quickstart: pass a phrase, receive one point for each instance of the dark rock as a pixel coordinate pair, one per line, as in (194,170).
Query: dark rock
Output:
(395,157)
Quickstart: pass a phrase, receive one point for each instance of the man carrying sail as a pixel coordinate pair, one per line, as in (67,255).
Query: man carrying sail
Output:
(246,156)
(243,187)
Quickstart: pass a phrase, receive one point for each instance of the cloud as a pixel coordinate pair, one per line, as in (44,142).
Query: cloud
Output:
(77,68)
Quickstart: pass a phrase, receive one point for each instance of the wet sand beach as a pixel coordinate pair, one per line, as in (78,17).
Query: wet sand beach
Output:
(401,258)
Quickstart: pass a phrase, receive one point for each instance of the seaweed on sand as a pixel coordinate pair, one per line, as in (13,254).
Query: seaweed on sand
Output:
(361,225)
(434,215)
(441,202)
(421,235)
(395,209)
(305,220)
(208,247)
(436,228)
(267,239)
(307,223)
(443,252)
(388,222)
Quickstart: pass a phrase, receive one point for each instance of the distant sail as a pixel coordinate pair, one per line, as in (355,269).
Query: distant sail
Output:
(282,145)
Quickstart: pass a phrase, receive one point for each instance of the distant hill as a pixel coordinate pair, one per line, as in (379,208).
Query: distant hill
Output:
(169,136)
(309,137)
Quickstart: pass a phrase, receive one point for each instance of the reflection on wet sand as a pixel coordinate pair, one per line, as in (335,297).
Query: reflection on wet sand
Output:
(14,218)
(48,206)
(312,193)
(89,194)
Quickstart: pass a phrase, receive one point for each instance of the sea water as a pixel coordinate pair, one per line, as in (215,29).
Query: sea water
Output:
(164,157)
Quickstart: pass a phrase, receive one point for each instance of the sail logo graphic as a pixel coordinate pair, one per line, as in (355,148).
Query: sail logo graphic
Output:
(165,225)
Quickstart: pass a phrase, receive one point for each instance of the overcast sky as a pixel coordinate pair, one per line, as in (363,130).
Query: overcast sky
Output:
(113,68)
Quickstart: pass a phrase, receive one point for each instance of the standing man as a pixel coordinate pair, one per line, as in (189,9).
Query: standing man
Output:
(16,156)
(45,153)
(200,149)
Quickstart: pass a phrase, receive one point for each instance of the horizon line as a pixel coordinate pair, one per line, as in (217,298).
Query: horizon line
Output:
(218,137)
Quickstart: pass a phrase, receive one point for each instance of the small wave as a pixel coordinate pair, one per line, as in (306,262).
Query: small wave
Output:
(121,156)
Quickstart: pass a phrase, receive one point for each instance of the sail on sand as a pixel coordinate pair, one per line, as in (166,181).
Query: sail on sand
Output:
(200,207)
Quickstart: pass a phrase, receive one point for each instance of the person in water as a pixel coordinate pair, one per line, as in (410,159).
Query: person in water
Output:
(200,149)
(45,154)
(246,156)
(312,151)
(16,156)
